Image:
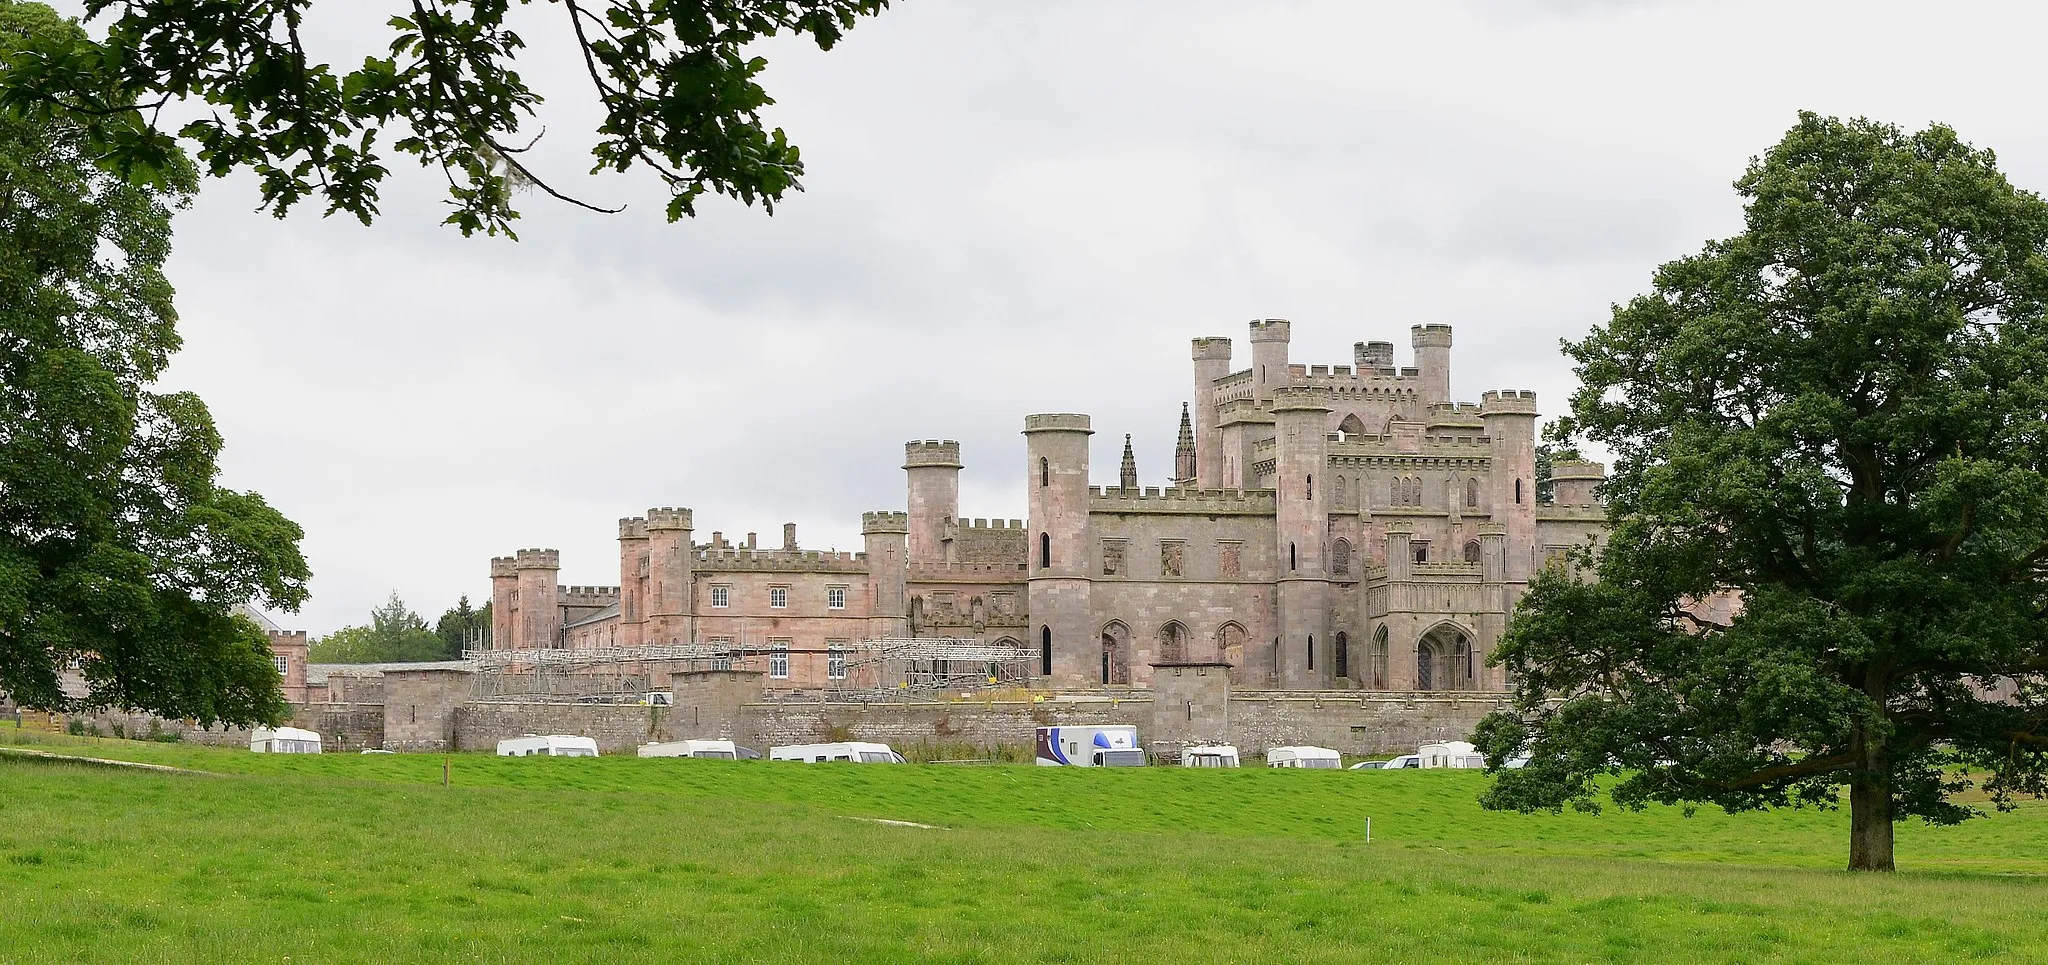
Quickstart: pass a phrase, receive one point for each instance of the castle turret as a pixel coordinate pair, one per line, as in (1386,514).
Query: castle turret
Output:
(540,615)
(1302,519)
(1510,417)
(633,578)
(1371,356)
(933,471)
(670,558)
(1269,356)
(1576,482)
(1184,469)
(1057,461)
(1433,363)
(504,604)
(1212,362)
(888,574)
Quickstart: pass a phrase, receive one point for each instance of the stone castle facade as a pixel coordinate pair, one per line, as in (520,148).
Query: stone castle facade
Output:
(1327,527)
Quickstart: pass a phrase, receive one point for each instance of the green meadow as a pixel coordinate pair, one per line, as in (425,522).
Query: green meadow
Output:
(369,858)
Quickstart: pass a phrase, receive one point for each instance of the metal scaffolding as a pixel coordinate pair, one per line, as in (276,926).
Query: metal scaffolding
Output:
(923,668)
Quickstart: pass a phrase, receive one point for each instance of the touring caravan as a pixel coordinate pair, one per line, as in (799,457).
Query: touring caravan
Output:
(1450,754)
(852,752)
(547,745)
(284,740)
(1109,745)
(1304,756)
(1209,755)
(713,750)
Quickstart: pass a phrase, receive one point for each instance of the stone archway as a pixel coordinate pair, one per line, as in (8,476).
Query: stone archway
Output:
(1173,643)
(1230,641)
(1116,654)
(1445,659)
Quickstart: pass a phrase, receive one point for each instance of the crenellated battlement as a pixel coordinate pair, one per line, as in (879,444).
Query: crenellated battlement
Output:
(1431,335)
(537,559)
(992,524)
(940,453)
(598,596)
(1507,401)
(1212,350)
(1443,413)
(1578,469)
(780,561)
(928,572)
(287,637)
(1152,499)
(671,517)
(884,522)
(1372,355)
(1301,398)
(1057,422)
(633,527)
(503,566)
(1270,329)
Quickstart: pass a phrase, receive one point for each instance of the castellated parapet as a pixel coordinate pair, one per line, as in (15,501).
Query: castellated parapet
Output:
(943,453)
(633,527)
(1212,349)
(884,522)
(778,561)
(1300,397)
(1429,336)
(503,566)
(1270,329)
(670,517)
(1495,401)
(1204,502)
(1057,422)
(536,559)
(1372,355)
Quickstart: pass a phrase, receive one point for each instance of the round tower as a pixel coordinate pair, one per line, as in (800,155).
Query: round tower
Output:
(1269,356)
(670,555)
(504,604)
(1433,363)
(1212,362)
(1056,446)
(888,573)
(1301,416)
(933,471)
(540,612)
(632,579)
(1510,417)
(1576,482)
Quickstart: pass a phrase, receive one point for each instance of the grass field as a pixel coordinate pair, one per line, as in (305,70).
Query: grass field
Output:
(368,858)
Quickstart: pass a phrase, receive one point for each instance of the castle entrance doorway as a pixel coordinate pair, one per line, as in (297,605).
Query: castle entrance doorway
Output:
(1116,654)
(1444,660)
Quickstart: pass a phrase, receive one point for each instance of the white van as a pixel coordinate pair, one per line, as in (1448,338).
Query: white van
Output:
(284,740)
(853,752)
(1209,755)
(1450,754)
(1107,745)
(714,750)
(1305,756)
(547,745)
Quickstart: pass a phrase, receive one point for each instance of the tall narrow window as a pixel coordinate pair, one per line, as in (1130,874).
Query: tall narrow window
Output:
(1291,563)
(1343,654)
(1471,494)
(778,660)
(1518,492)
(1340,557)
(1044,472)
(1309,488)
(1045,650)
(835,660)
(1044,550)
(1311,651)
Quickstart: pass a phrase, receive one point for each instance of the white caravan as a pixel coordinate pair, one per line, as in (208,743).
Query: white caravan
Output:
(284,740)
(715,750)
(1305,756)
(1108,745)
(853,752)
(1450,754)
(547,745)
(1209,755)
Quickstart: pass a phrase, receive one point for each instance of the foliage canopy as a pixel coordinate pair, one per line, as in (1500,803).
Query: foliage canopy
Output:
(1835,418)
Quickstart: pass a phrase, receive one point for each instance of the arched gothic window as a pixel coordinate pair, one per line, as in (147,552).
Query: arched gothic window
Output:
(1518,492)
(1044,550)
(1472,551)
(1044,472)
(1343,654)
(1471,494)
(1394,491)
(1340,557)
(1045,650)
(1340,491)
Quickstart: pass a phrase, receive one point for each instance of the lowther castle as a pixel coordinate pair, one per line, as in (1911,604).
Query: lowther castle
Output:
(1327,527)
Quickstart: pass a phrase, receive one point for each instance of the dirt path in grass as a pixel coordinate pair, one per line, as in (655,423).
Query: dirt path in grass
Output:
(103,761)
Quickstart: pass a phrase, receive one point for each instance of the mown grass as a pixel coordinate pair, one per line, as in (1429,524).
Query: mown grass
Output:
(368,858)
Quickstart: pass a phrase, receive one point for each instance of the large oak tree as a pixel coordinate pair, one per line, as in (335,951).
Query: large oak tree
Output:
(119,553)
(675,80)
(1836,417)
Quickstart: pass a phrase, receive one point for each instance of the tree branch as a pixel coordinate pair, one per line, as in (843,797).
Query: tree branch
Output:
(1799,768)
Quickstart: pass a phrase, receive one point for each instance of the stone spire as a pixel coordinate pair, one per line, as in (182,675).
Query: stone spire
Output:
(1129,478)
(1184,451)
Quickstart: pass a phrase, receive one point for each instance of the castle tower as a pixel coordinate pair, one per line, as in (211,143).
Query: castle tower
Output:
(1056,445)
(1127,475)
(504,604)
(1302,522)
(1576,482)
(1269,357)
(1510,417)
(670,555)
(540,616)
(1184,468)
(933,468)
(1433,360)
(1212,362)
(633,578)
(888,573)
(1372,355)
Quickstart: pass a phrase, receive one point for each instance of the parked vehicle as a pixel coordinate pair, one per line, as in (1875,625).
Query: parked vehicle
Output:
(284,740)
(659,698)
(1460,754)
(547,745)
(1211,755)
(1108,745)
(1368,765)
(1398,763)
(855,752)
(1304,756)
(711,749)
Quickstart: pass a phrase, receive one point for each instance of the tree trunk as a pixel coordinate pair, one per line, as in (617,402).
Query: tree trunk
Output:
(1870,807)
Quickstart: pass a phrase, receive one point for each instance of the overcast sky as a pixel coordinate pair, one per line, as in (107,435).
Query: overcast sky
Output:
(1010,208)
